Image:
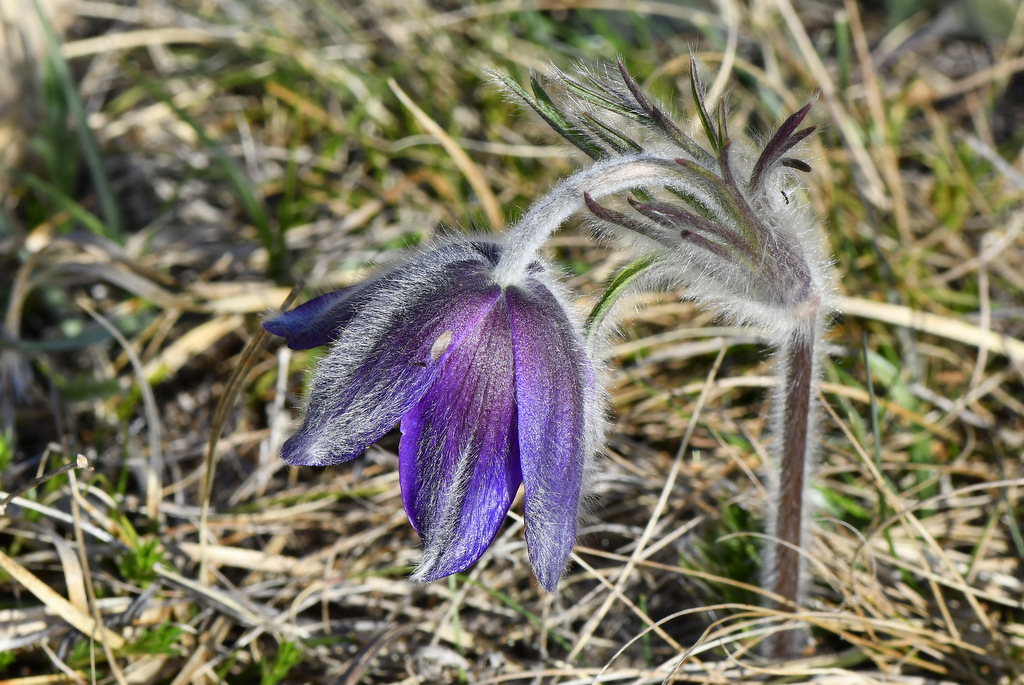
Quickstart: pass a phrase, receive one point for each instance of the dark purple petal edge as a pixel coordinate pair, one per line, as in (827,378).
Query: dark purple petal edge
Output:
(316,322)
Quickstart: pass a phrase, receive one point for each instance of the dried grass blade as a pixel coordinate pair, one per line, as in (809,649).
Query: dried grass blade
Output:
(178,353)
(365,656)
(492,208)
(636,557)
(933,324)
(874,188)
(129,40)
(154,472)
(60,606)
(251,204)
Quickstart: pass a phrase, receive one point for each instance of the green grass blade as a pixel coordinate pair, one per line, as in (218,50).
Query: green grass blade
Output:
(114,227)
(66,203)
(876,431)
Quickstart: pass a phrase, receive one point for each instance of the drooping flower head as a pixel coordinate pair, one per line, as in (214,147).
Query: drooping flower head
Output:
(491,383)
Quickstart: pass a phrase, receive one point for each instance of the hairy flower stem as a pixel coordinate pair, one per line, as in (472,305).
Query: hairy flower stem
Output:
(548,213)
(796,458)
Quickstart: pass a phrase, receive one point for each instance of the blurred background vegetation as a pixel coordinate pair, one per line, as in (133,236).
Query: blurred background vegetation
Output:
(169,170)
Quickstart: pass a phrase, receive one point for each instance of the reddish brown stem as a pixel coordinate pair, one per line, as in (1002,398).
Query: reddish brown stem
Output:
(788,570)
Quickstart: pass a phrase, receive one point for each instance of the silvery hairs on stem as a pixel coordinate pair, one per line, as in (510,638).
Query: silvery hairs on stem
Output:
(726,221)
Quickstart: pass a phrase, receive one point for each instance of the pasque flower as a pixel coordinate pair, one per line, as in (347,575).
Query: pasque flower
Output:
(729,222)
(492,384)
(472,346)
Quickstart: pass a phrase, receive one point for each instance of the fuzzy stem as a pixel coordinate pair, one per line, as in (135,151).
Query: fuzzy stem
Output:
(795,459)
(547,214)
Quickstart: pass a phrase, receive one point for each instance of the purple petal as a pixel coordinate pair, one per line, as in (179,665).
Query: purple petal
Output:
(554,389)
(391,350)
(318,321)
(459,461)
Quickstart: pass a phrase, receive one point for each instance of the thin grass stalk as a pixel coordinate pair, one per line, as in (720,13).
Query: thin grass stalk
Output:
(234,385)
